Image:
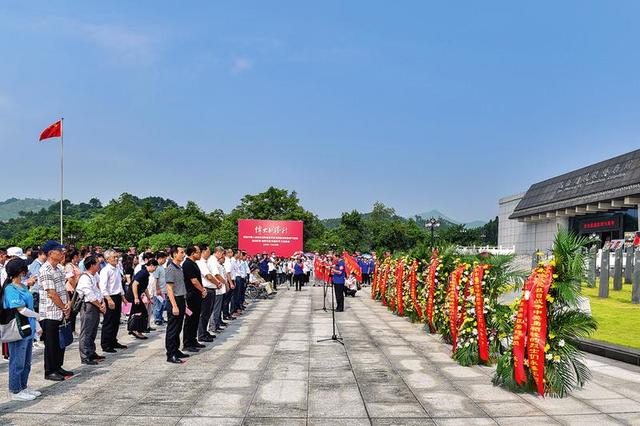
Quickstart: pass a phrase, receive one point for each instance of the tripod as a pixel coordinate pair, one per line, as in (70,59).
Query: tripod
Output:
(334,337)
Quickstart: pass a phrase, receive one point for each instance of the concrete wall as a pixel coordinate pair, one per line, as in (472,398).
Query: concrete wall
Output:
(525,237)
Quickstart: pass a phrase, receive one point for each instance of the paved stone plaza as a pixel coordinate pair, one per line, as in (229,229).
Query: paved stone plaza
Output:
(268,368)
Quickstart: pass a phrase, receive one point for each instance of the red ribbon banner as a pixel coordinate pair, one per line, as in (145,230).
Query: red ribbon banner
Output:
(454,282)
(374,282)
(537,337)
(399,277)
(431,285)
(413,284)
(483,342)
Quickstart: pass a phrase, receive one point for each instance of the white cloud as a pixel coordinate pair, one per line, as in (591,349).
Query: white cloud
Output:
(122,43)
(125,43)
(241,64)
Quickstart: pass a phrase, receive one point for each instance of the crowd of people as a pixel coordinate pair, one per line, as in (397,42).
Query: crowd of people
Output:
(194,290)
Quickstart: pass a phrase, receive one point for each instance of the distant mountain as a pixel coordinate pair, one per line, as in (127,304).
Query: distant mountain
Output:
(438,214)
(11,208)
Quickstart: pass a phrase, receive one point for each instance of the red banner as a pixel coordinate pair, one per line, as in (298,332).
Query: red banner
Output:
(383,286)
(413,285)
(520,332)
(399,292)
(530,332)
(483,342)
(431,285)
(351,265)
(374,282)
(454,283)
(283,238)
(537,336)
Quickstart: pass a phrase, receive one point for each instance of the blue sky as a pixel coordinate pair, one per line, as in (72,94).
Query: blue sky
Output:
(416,104)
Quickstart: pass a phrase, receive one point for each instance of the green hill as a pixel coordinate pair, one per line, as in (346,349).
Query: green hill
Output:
(11,208)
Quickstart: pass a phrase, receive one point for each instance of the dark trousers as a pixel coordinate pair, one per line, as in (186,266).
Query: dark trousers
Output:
(365,279)
(226,302)
(205,315)
(53,355)
(111,323)
(273,277)
(194,302)
(89,321)
(236,302)
(174,326)
(339,291)
(73,316)
(297,280)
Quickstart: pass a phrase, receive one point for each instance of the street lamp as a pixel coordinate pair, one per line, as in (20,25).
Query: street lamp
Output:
(431,225)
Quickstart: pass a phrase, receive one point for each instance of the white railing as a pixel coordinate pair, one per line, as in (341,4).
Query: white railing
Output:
(486,249)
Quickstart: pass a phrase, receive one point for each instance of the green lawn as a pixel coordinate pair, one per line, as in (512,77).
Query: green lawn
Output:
(618,319)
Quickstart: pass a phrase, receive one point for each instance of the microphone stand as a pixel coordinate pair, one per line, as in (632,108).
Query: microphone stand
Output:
(334,337)
(324,297)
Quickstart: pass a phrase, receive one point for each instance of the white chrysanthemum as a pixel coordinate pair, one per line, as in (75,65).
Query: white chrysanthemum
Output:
(561,343)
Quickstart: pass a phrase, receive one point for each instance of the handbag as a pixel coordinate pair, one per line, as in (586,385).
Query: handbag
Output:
(65,334)
(76,300)
(135,322)
(13,325)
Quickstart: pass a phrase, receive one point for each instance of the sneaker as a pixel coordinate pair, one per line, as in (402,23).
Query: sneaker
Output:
(32,392)
(22,396)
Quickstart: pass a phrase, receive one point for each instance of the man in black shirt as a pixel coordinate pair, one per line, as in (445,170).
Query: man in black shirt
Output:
(195,293)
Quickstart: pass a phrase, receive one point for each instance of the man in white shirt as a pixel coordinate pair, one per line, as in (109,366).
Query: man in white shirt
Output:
(245,274)
(215,264)
(231,285)
(92,307)
(210,283)
(237,273)
(111,287)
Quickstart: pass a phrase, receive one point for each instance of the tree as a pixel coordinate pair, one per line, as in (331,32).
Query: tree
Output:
(273,204)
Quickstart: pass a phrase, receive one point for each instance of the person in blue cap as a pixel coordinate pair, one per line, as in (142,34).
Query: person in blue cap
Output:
(54,308)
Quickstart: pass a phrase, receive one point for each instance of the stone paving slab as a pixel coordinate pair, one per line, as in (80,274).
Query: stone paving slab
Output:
(268,368)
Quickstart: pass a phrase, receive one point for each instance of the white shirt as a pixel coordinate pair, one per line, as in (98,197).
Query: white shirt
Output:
(88,288)
(228,263)
(110,280)
(204,271)
(137,268)
(245,268)
(216,268)
(271,266)
(237,270)
(3,275)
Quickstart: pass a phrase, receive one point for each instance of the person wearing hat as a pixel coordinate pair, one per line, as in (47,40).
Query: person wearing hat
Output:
(12,253)
(17,296)
(54,308)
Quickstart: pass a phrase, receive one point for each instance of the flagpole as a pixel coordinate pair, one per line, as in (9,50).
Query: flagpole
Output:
(61,177)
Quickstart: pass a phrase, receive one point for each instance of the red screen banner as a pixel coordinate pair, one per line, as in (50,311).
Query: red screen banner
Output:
(284,237)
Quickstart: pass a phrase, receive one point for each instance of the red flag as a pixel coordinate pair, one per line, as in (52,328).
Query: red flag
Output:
(351,265)
(53,131)
(317,268)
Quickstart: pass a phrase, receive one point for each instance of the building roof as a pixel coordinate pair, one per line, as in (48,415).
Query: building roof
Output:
(608,180)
